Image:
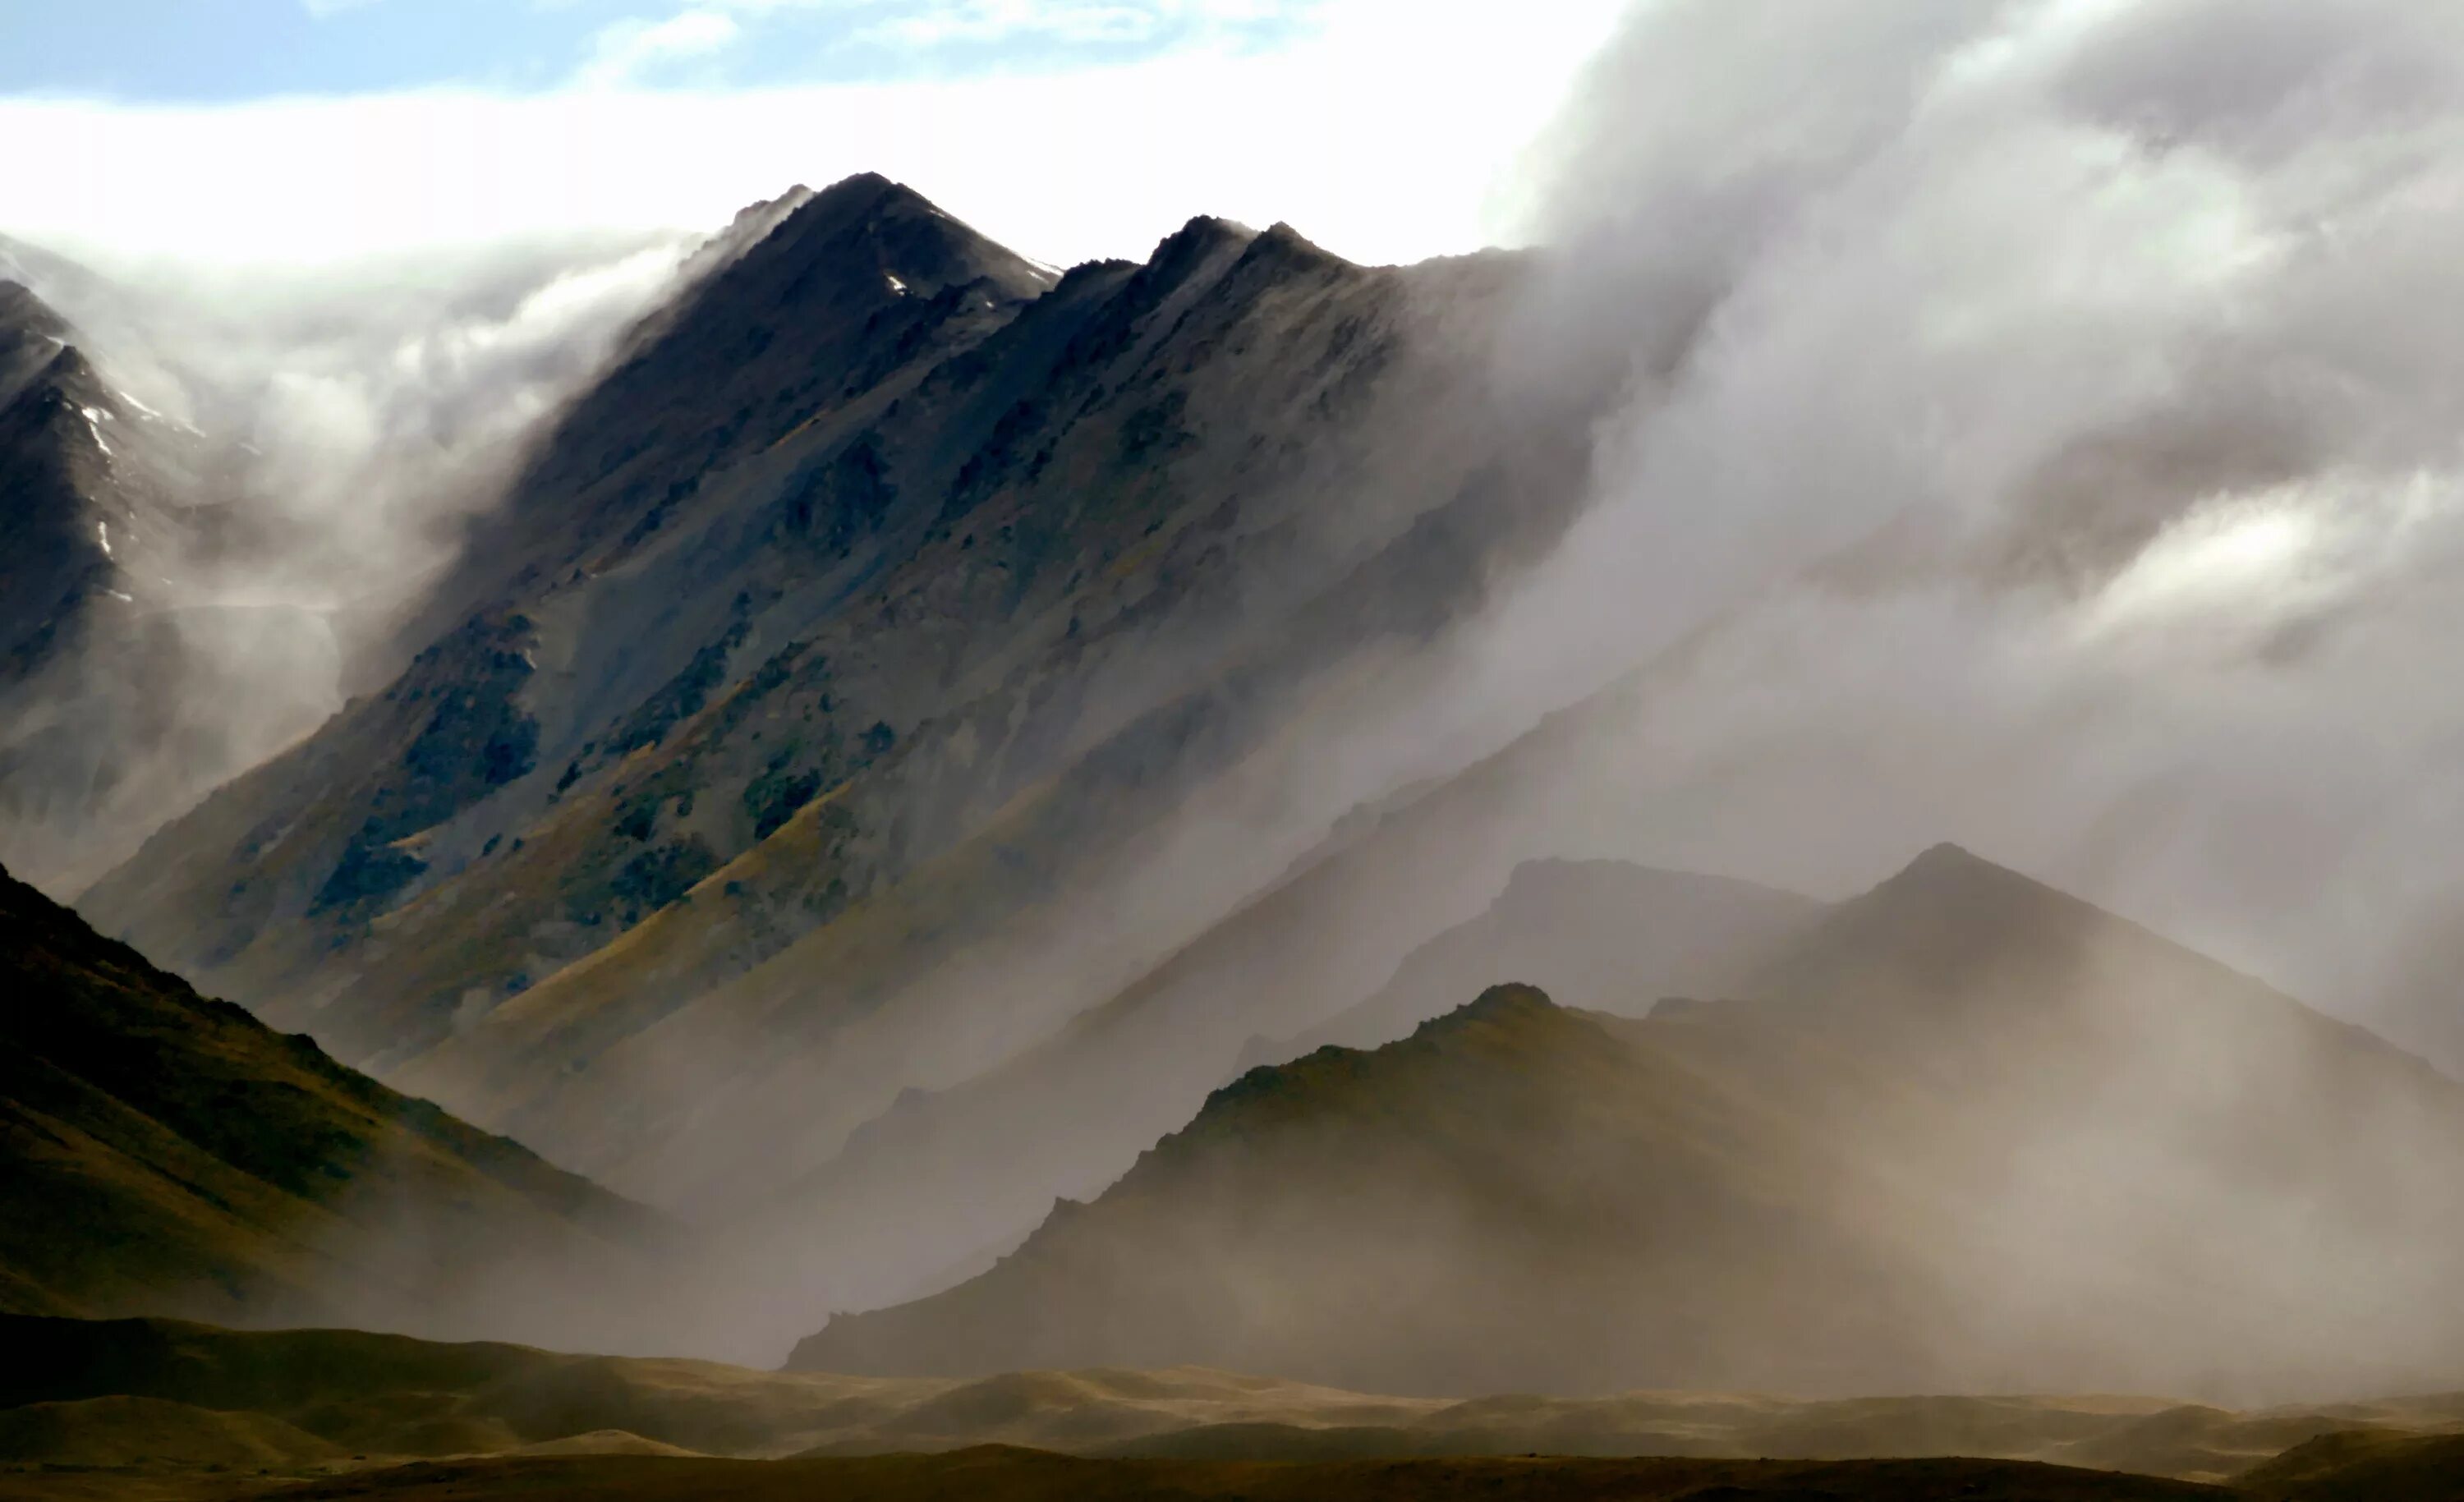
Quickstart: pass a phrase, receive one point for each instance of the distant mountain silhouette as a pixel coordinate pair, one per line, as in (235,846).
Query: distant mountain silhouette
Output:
(983,1160)
(1964,1133)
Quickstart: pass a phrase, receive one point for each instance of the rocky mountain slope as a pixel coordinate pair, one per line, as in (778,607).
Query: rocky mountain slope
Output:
(97,489)
(887,586)
(1963,1128)
(167,1153)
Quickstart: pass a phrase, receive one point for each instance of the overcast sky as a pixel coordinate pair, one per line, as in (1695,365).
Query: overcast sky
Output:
(252,130)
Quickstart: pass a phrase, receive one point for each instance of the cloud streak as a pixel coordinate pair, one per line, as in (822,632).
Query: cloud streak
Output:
(626,52)
(2046,435)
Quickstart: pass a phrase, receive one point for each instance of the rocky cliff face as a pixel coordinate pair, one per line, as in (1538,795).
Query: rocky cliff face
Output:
(97,489)
(887,584)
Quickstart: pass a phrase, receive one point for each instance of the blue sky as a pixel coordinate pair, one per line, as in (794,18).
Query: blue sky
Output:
(204,51)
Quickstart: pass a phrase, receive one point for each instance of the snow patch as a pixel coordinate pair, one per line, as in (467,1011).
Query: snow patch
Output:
(124,599)
(103,534)
(896,285)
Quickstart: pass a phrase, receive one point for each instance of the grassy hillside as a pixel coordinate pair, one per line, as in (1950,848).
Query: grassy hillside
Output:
(170,1153)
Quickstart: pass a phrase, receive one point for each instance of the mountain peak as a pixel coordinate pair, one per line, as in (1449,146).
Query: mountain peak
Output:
(1505,1005)
(1946,857)
(1185,248)
(1951,873)
(880,231)
(1975,937)
(1287,243)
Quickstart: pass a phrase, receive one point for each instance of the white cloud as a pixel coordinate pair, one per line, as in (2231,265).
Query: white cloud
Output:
(935,23)
(1381,132)
(626,51)
(319,10)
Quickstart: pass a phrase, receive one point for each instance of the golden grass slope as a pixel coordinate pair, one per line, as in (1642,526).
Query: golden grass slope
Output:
(149,1403)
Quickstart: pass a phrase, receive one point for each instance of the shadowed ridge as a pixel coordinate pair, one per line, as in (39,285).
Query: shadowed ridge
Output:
(1178,253)
(1507,1005)
(1500,1015)
(1282,242)
(1312,1213)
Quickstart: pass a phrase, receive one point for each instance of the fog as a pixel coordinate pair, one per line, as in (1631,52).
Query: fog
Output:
(2060,455)
(304,447)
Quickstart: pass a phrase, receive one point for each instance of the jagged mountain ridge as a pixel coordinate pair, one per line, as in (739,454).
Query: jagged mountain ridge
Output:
(2030,1141)
(899,660)
(171,1154)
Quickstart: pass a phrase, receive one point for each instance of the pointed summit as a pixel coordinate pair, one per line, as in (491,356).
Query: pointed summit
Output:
(870,229)
(1183,249)
(1950,924)
(1949,885)
(1505,1006)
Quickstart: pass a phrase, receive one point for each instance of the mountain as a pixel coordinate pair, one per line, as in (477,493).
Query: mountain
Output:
(1598,935)
(1962,1133)
(887,586)
(167,1153)
(97,490)
(1469,1209)
(979,1163)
